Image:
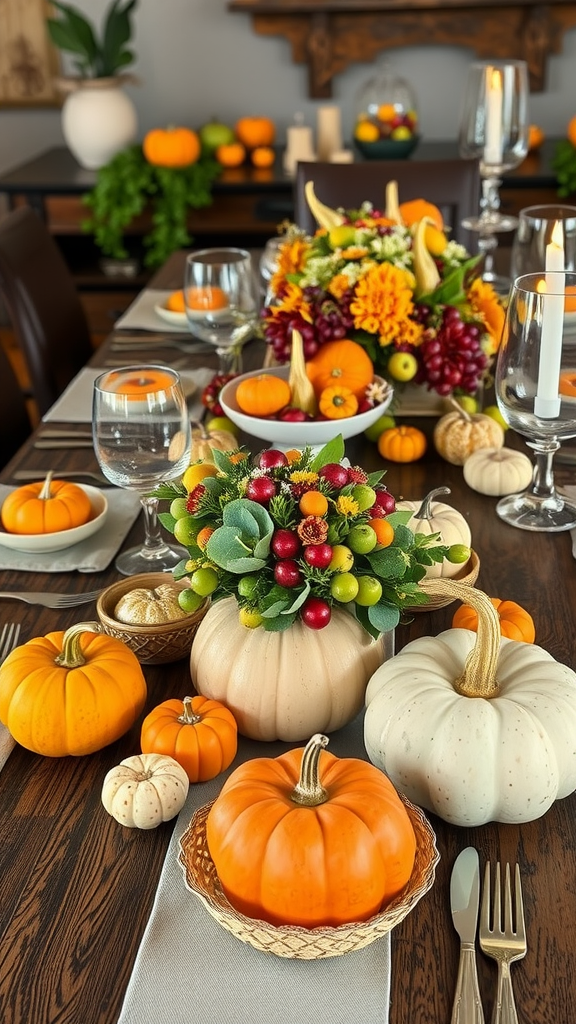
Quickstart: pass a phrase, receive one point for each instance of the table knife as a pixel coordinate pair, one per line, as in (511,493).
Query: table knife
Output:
(78,435)
(63,443)
(464,898)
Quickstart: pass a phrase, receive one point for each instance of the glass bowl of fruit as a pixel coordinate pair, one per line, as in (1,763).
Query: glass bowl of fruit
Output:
(386,119)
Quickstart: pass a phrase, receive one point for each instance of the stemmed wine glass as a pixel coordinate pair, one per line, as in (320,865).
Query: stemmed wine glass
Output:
(536,227)
(141,430)
(494,130)
(535,385)
(220,298)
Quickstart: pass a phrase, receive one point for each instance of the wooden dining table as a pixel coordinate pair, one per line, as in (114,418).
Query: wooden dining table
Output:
(76,889)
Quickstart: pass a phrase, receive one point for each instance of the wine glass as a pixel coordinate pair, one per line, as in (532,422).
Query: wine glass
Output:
(267,267)
(535,385)
(220,297)
(141,430)
(536,225)
(494,130)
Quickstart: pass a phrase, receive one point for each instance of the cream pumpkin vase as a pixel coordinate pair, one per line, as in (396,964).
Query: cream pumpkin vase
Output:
(473,726)
(457,434)
(287,685)
(432,516)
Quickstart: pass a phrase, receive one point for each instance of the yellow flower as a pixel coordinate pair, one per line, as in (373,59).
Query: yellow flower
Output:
(486,306)
(383,302)
(354,252)
(339,285)
(291,259)
(292,301)
(300,476)
(347,506)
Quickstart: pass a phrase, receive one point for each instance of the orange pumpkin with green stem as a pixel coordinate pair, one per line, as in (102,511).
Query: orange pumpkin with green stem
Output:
(46,507)
(171,147)
(515,622)
(199,733)
(402,444)
(342,362)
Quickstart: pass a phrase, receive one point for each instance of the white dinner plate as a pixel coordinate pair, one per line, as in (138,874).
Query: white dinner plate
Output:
(171,316)
(45,542)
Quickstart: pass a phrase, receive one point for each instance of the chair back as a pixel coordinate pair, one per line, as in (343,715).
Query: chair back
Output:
(44,307)
(15,424)
(452,185)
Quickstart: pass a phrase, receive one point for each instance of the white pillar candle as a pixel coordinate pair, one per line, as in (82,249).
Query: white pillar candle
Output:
(299,146)
(547,401)
(342,156)
(493,137)
(328,132)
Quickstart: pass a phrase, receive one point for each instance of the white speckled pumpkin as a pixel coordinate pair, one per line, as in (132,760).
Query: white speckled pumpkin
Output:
(498,471)
(284,686)
(145,790)
(432,516)
(473,726)
(457,434)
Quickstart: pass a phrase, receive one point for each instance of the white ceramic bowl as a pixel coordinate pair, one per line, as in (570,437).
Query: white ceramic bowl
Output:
(171,316)
(45,542)
(295,435)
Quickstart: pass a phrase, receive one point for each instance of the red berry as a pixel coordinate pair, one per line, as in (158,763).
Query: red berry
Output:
(318,555)
(385,500)
(287,573)
(292,415)
(335,474)
(272,458)
(315,613)
(285,544)
(261,489)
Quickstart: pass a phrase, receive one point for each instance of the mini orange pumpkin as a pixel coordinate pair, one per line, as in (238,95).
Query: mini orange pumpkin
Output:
(254,132)
(263,395)
(263,156)
(515,622)
(231,154)
(342,362)
(201,734)
(46,507)
(402,444)
(337,402)
(171,147)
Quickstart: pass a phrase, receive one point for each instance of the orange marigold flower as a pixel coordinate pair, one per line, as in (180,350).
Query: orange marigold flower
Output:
(339,285)
(486,305)
(291,301)
(383,302)
(354,252)
(291,259)
(312,530)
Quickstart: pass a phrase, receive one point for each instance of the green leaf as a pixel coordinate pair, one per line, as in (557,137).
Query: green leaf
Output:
(279,624)
(399,518)
(117,32)
(299,601)
(168,521)
(383,617)
(274,610)
(389,563)
(333,451)
(227,549)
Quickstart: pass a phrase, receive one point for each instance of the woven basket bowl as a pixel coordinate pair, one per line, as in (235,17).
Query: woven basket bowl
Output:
(291,940)
(468,574)
(152,645)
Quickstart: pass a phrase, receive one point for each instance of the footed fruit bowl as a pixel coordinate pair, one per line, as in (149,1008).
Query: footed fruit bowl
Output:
(285,435)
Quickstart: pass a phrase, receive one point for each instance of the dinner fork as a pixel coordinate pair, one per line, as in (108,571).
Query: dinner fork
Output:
(503,944)
(190,347)
(51,600)
(9,639)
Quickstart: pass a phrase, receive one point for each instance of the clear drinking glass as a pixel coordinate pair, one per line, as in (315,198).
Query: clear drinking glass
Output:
(141,430)
(534,234)
(535,385)
(221,300)
(494,130)
(267,267)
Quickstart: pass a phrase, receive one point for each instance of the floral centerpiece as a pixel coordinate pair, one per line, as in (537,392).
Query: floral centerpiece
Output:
(393,282)
(291,535)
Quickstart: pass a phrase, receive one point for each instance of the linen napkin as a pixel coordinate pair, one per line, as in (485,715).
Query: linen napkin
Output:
(141,315)
(91,555)
(188,968)
(75,403)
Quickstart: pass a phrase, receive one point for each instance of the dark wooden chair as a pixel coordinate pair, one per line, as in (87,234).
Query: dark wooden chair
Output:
(43,305)
(15,424)
(452,185)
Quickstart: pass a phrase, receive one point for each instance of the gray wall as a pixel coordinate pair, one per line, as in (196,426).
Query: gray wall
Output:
(196,59)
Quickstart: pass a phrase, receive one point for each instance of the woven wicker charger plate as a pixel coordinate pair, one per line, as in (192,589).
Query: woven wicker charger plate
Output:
(290,940)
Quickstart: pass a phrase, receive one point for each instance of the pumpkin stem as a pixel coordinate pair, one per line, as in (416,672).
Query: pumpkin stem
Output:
(188,716)
(45,493)
(309,791)
(479,676)
(71,654)
(199,425)
(425,510)
(459,409)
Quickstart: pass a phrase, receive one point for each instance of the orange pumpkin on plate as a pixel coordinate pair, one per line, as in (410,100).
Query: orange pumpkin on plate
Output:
(341,362)
(46,507)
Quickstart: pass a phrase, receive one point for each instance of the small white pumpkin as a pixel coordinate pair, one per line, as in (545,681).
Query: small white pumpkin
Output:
(432,516)
(498,471)
(145,790)
(457,434)
(145,607)
(473,726)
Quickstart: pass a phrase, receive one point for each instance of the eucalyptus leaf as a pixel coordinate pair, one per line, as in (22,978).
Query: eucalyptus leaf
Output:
(230,552)
(299,600)
(279,624)
(383,617)
(274,610)
(389,563)
(333,451)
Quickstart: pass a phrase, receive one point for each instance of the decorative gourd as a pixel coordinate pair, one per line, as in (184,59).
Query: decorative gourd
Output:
(498,471)
(149,607)
(255,131)
(171,147)
(284,685)
(71,693)
(402,444)
(200,734)
(205,439)
(515,622)
(337,402)
(46,507)
(341,362)
(263,395)
(302,394)
(263,156)
(145,790)
(298,842)
(473,726)
(432,516)
(230,154)
(457,434)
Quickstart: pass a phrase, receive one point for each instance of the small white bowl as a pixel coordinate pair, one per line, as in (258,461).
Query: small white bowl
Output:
(171,316)
(284,435)
(45,542)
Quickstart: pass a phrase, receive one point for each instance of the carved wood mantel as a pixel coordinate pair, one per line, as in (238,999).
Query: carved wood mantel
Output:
(328,35)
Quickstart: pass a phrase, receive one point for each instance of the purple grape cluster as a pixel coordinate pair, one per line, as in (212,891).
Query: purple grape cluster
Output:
(451,357)
(330,322)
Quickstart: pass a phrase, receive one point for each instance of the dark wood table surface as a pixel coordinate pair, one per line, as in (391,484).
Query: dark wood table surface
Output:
(76,889)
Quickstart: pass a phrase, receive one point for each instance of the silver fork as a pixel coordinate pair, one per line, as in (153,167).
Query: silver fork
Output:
(9,639)
(51,600)
(503,944)
(191,348)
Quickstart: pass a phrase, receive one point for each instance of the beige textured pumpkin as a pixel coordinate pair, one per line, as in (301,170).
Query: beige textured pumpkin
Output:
(149,607)
(145,790)
(457,434)
(433,516)
(205,440)
(288,685)
(498,471)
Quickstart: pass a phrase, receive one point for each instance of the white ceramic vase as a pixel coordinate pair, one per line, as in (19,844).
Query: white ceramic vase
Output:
(98,119)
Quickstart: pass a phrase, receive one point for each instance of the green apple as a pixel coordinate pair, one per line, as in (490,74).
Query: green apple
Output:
(468,403)
(223,423)
(213,134)
(494,413)
(402,366)
(383,422)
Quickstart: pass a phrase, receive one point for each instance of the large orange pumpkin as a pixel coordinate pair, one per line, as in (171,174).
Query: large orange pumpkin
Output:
(171,147)
(293,844)
(70,693)
(341,362)
(199,733)
(253,132)
(47,506)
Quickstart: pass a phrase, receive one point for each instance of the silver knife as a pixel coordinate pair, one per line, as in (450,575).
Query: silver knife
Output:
(73,474)
(69,443)
(79,435)
(464,898)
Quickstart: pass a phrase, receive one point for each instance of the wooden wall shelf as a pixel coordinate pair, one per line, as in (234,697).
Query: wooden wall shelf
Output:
(328,35)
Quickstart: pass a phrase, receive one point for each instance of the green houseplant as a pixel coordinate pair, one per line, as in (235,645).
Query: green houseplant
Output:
(94,58)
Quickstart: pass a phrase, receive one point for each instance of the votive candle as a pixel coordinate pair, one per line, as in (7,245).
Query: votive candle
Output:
(493,138)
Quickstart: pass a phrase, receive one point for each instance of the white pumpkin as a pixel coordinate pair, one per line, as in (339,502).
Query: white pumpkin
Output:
(498,471)
(457,434)
(432,516)
(474,727)
(145,790)
(284,686)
